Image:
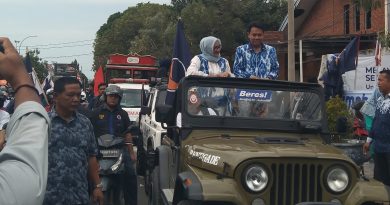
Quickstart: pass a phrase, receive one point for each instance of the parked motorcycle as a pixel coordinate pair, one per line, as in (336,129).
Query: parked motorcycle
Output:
(111,167)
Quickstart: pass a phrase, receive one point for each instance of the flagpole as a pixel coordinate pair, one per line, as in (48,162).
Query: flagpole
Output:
(356,62)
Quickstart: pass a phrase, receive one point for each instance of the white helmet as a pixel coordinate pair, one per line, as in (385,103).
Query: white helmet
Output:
(83,96)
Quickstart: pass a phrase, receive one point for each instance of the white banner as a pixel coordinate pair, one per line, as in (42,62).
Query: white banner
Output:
(366,73)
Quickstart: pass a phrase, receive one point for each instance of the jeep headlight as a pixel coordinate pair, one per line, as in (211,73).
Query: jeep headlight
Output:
(255,178)
(337,179)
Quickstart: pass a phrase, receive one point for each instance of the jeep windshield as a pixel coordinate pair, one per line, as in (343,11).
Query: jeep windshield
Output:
(253,103)
(300,109)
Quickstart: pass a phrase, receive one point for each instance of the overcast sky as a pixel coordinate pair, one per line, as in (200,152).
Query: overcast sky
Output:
(64,30)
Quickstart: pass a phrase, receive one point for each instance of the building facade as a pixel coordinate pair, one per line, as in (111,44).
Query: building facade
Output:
(327,26)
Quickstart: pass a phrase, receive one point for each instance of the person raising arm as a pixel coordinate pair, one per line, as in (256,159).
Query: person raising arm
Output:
(24,159)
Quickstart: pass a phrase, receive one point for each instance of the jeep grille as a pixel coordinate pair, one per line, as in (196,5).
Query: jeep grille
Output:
(294,183)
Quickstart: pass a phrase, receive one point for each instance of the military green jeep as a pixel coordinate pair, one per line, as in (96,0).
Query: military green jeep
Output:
(239,141)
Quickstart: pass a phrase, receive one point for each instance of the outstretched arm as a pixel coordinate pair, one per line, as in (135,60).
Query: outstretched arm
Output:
(23,161)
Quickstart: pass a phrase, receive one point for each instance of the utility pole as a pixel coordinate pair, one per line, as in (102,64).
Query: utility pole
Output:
(386,16)
(291,42)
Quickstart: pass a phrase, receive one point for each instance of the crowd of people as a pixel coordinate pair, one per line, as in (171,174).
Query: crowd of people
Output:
(63,168)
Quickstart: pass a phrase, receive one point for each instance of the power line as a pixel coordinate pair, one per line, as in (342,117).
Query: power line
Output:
(70,46)
(51,57)
(54,44)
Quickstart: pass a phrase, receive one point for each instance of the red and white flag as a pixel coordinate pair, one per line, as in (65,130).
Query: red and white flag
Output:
(378,53)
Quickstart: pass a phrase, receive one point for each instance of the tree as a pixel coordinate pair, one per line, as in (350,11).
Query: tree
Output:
(38,65)
(222,22)
(143,29)
(150,28)
(75,64)
(179,5)
(156,35)
(106,26)
(270,13)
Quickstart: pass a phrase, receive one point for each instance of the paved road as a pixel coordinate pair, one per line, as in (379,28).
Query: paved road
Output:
(142,198)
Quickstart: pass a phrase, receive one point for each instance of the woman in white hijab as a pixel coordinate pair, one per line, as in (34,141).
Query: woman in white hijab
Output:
(209,62)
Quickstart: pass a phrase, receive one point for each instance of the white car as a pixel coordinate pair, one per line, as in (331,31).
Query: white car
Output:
(151,130)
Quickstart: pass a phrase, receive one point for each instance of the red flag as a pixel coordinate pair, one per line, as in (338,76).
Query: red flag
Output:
(98,78)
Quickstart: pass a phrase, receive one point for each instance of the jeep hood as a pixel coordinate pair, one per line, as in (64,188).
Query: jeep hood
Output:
(215,153)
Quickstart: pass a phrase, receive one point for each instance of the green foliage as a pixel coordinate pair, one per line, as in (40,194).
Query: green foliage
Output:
(156,35)
(369,4)
(384,38)
(144,29)
(179,5)
(270,13)
(149,29)
(220,20)
(336,108)
(38,65)
(75,64)
(106,26)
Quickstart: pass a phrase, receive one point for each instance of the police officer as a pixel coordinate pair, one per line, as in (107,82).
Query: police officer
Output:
(110,118)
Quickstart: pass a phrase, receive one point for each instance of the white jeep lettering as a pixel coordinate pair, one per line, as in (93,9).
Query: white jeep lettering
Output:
(206,158)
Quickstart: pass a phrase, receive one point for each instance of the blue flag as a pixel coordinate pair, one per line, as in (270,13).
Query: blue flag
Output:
(180,61)
(337,66)
(347,60)
(48,83)
(27,63)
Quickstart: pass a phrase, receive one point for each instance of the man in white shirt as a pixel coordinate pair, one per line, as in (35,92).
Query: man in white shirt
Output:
(4,115)
(23,161)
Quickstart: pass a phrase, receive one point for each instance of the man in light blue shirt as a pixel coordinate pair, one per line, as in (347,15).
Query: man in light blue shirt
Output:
(256,60)
(24,159)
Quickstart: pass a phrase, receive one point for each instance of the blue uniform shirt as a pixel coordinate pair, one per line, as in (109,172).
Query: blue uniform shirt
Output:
(70,146)
(114,122)
(263,64)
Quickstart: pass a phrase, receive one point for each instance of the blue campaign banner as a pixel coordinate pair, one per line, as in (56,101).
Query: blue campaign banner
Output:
(351,97)
(254,95)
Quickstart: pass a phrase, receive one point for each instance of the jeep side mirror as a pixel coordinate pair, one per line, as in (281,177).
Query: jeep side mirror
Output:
(164,113)
(145,110)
